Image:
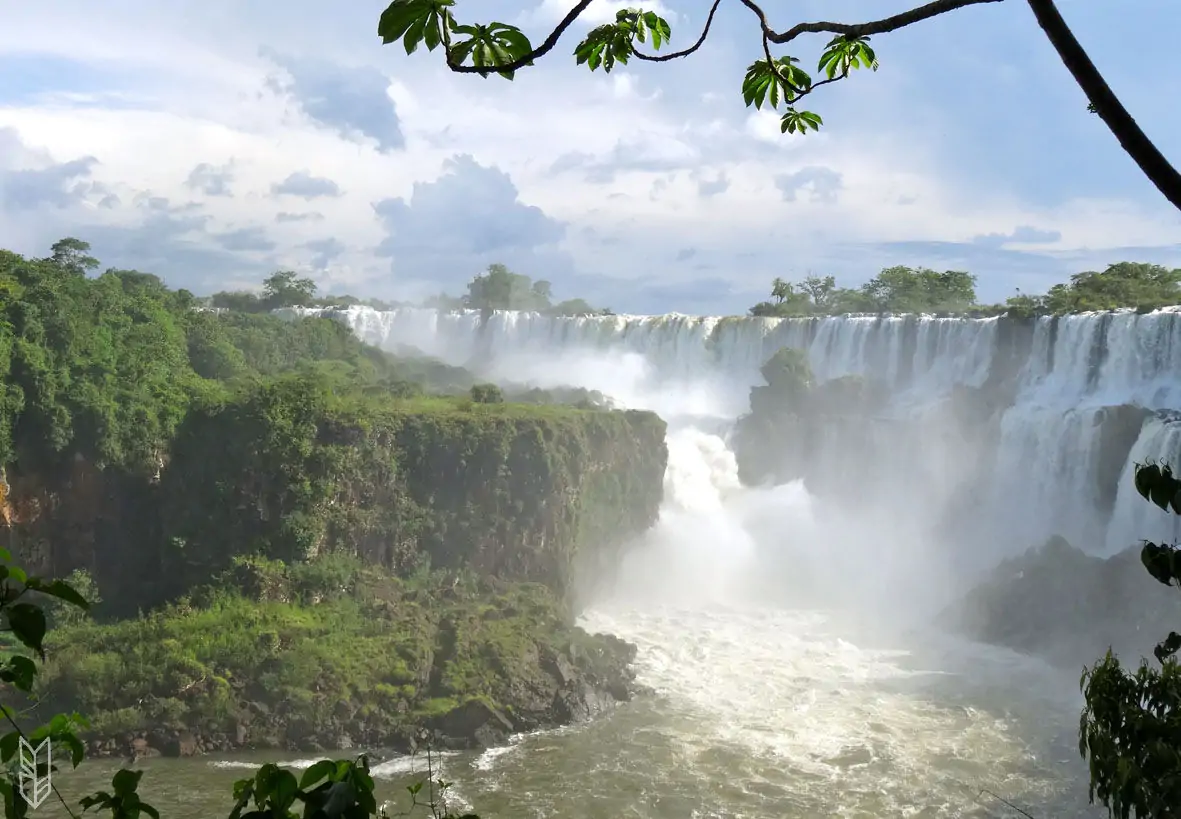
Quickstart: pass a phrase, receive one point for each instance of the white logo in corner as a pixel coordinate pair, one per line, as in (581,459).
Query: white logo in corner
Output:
(35,787)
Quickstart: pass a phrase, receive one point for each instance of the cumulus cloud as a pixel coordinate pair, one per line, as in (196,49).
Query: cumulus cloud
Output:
(325,251)
(46,183)
(352,100)
(211,180)
(311,216)
(248,238)
(642,164)
(306,186)
(646,153)
(469,217)
(1021,235)
(713,187)
(822,184)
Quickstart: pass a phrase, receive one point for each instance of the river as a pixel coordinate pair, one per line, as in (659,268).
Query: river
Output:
(761,708)
(758,713)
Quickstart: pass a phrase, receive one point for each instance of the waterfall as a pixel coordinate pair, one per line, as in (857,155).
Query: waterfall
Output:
(1085,396)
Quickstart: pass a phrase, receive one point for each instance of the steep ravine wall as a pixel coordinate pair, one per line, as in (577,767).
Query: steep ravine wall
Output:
(1057,409)
(505,490)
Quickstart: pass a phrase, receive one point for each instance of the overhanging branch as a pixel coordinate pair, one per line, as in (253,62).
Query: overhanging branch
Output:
(906,18)
(1133,140)
(883,26)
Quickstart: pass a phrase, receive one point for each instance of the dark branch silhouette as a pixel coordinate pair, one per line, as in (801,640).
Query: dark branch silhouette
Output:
(1102,99)
(1133,140)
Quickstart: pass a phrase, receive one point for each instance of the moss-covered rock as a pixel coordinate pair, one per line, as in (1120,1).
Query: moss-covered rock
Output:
(293,472)
(373,663)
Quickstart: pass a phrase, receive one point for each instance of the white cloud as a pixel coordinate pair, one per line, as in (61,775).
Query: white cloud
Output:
(656,160)
(597,14)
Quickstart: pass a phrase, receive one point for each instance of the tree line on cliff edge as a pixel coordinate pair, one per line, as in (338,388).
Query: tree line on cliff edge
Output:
(497,288)
(900,289)
(895,290)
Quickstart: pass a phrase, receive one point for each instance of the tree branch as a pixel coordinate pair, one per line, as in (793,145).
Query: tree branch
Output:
(663,58)
(888,24)
(1133,140)
(540,51)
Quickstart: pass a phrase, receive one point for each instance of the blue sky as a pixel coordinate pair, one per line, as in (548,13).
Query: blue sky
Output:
(214,142)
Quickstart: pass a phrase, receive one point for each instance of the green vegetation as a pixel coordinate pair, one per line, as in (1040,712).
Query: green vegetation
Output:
(135,416)
(501,289)
(910,290)
(326,539)
(285,288)
(305,655)
(1130,729)
(500,48)
(496,289)
(329,789)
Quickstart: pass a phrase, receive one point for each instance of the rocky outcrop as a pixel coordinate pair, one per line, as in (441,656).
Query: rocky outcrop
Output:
(291,472)
(474,668)
(1063,605)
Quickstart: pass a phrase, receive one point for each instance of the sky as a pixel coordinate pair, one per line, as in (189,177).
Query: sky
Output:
(214,142)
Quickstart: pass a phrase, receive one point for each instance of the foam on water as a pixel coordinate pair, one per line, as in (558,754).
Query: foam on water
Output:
(779,630)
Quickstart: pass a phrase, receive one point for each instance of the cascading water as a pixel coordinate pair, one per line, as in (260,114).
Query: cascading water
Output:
(1056,441)
(763,614)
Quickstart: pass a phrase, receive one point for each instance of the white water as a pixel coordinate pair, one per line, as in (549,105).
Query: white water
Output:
(770,622)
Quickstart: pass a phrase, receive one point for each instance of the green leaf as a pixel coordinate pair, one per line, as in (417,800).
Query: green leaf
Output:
(126,782)
(1168,647)
(316,772)
(9,743)
(798,122)
(61,590)
(1161,562)
(20,671)
(1147,475)
(77,749)
(283,789)
(28,625)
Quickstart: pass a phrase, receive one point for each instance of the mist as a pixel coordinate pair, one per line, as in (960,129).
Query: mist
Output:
(826,634)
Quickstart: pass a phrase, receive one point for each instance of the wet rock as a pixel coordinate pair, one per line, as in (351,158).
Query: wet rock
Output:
(183,744)
(1058,603)
(476,723)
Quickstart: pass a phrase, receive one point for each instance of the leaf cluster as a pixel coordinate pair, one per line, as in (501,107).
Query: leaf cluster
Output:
(1130,727)
(502,48)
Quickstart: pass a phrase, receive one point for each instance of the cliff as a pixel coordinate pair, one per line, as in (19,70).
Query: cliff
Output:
(328,541)
(293,472)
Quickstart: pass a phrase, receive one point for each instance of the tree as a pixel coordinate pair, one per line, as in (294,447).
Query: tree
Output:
(285,289)
(1130,729)
(1124,284)
(501,289)
(73,255)
(504,49)
(820,291)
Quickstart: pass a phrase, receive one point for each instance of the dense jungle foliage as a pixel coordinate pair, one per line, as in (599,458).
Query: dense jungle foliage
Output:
(919,290)
(265,488)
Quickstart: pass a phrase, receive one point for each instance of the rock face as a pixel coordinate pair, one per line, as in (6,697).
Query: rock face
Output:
(1058,603)
(510,491)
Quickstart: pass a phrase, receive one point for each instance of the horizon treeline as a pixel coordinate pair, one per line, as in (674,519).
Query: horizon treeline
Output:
(498,288)
(899,289)
(903,289)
